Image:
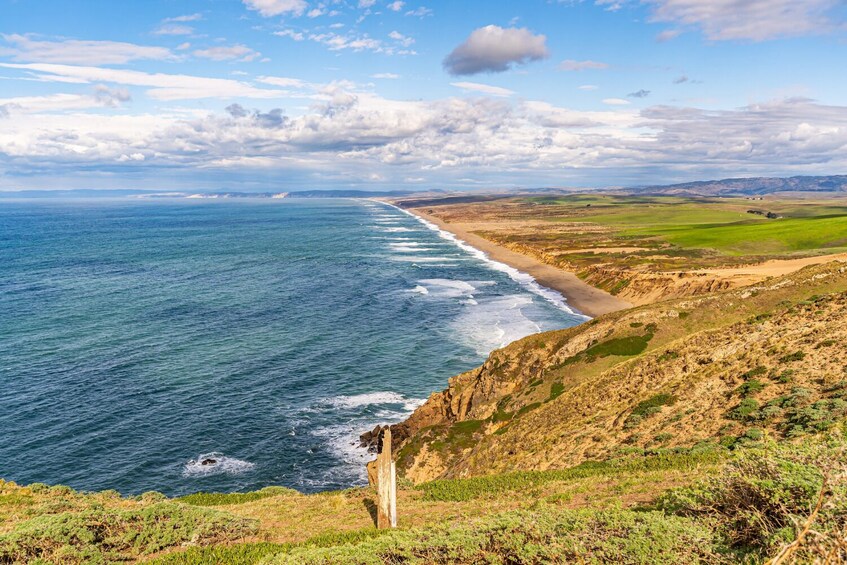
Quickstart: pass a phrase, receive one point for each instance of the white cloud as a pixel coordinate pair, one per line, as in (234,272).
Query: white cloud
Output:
(588,87)
(755,20)
(495,49)
(162,86)
(667,35)
(269,8)
(185,18)
(228,53)
(295,35)
(390,76)
(396,6)
(102,97)
(284,82)
(420,12)
(366,3)
(73,51)
(484,88)
(615,101)
(173,29)
(572,65)
(403,40)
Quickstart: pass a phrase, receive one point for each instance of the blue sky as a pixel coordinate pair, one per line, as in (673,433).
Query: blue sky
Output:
(294,94)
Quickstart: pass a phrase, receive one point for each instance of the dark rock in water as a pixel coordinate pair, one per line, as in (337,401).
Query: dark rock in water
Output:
(370,440)
(208,461)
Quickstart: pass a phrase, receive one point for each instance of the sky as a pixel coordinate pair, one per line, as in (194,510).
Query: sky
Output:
(278,95)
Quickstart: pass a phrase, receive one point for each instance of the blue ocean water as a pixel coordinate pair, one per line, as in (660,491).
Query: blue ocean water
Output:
(138,337)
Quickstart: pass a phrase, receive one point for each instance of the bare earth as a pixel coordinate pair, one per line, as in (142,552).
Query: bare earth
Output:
(584,297)
(752,274)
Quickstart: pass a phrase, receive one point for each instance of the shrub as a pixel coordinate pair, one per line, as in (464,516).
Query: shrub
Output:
(556,390)
(543,535)
(750,387)
(745,410)
(796,356)
(647,407)
(218,498)
(762,495)
(760,370)
(99,535)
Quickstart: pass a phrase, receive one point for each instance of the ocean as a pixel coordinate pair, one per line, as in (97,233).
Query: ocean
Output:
(138,337)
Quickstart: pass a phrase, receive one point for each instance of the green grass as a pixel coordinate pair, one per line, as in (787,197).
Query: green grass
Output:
(623,346)
(100,535)
(219,499)
(492,485)
(650,406)
(719,224)
(251,553)
(543,535)
(731,233)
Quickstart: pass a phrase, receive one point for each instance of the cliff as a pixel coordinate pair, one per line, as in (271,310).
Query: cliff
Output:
(724,367)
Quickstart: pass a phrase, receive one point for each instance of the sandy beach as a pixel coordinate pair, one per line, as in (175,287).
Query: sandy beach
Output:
(583,297)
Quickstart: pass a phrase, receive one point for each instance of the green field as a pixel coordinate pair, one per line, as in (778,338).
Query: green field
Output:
(721,225)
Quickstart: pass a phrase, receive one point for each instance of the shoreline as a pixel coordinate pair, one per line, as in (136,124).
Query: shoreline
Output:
(579,295)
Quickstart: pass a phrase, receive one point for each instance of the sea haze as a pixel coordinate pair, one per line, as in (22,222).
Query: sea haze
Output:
(139,337)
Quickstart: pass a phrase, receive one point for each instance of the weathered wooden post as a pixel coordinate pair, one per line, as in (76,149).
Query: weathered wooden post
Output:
(386,485)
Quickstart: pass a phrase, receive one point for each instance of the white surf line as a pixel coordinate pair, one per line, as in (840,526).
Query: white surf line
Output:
(526,280)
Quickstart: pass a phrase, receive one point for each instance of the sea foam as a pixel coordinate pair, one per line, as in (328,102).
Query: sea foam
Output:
(222,465)
(524,279)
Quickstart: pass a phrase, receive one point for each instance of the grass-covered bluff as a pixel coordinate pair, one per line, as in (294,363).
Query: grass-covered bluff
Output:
(704,505)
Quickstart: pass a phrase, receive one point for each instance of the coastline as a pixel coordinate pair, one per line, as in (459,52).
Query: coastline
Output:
(580,296)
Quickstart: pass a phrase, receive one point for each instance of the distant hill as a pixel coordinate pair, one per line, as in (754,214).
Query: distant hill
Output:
(750,186)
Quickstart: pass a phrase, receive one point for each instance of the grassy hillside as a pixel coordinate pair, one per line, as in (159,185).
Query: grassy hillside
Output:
(765,361)
(711,505)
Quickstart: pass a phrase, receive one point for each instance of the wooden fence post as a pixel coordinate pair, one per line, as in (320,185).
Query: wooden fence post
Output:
(386,485)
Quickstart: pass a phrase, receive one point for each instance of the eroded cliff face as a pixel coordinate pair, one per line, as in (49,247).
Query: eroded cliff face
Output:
(638,286)
(712,368)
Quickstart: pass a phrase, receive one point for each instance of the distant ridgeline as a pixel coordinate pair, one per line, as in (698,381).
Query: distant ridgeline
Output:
(750,186)
(723,187)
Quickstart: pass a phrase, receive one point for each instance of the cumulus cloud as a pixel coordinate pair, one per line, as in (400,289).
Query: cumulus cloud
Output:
(494,49)
(615,101)
(73,51)
(483,88)
(396,6)
(348,133)
(572,65)
(755,20)
(269,8)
